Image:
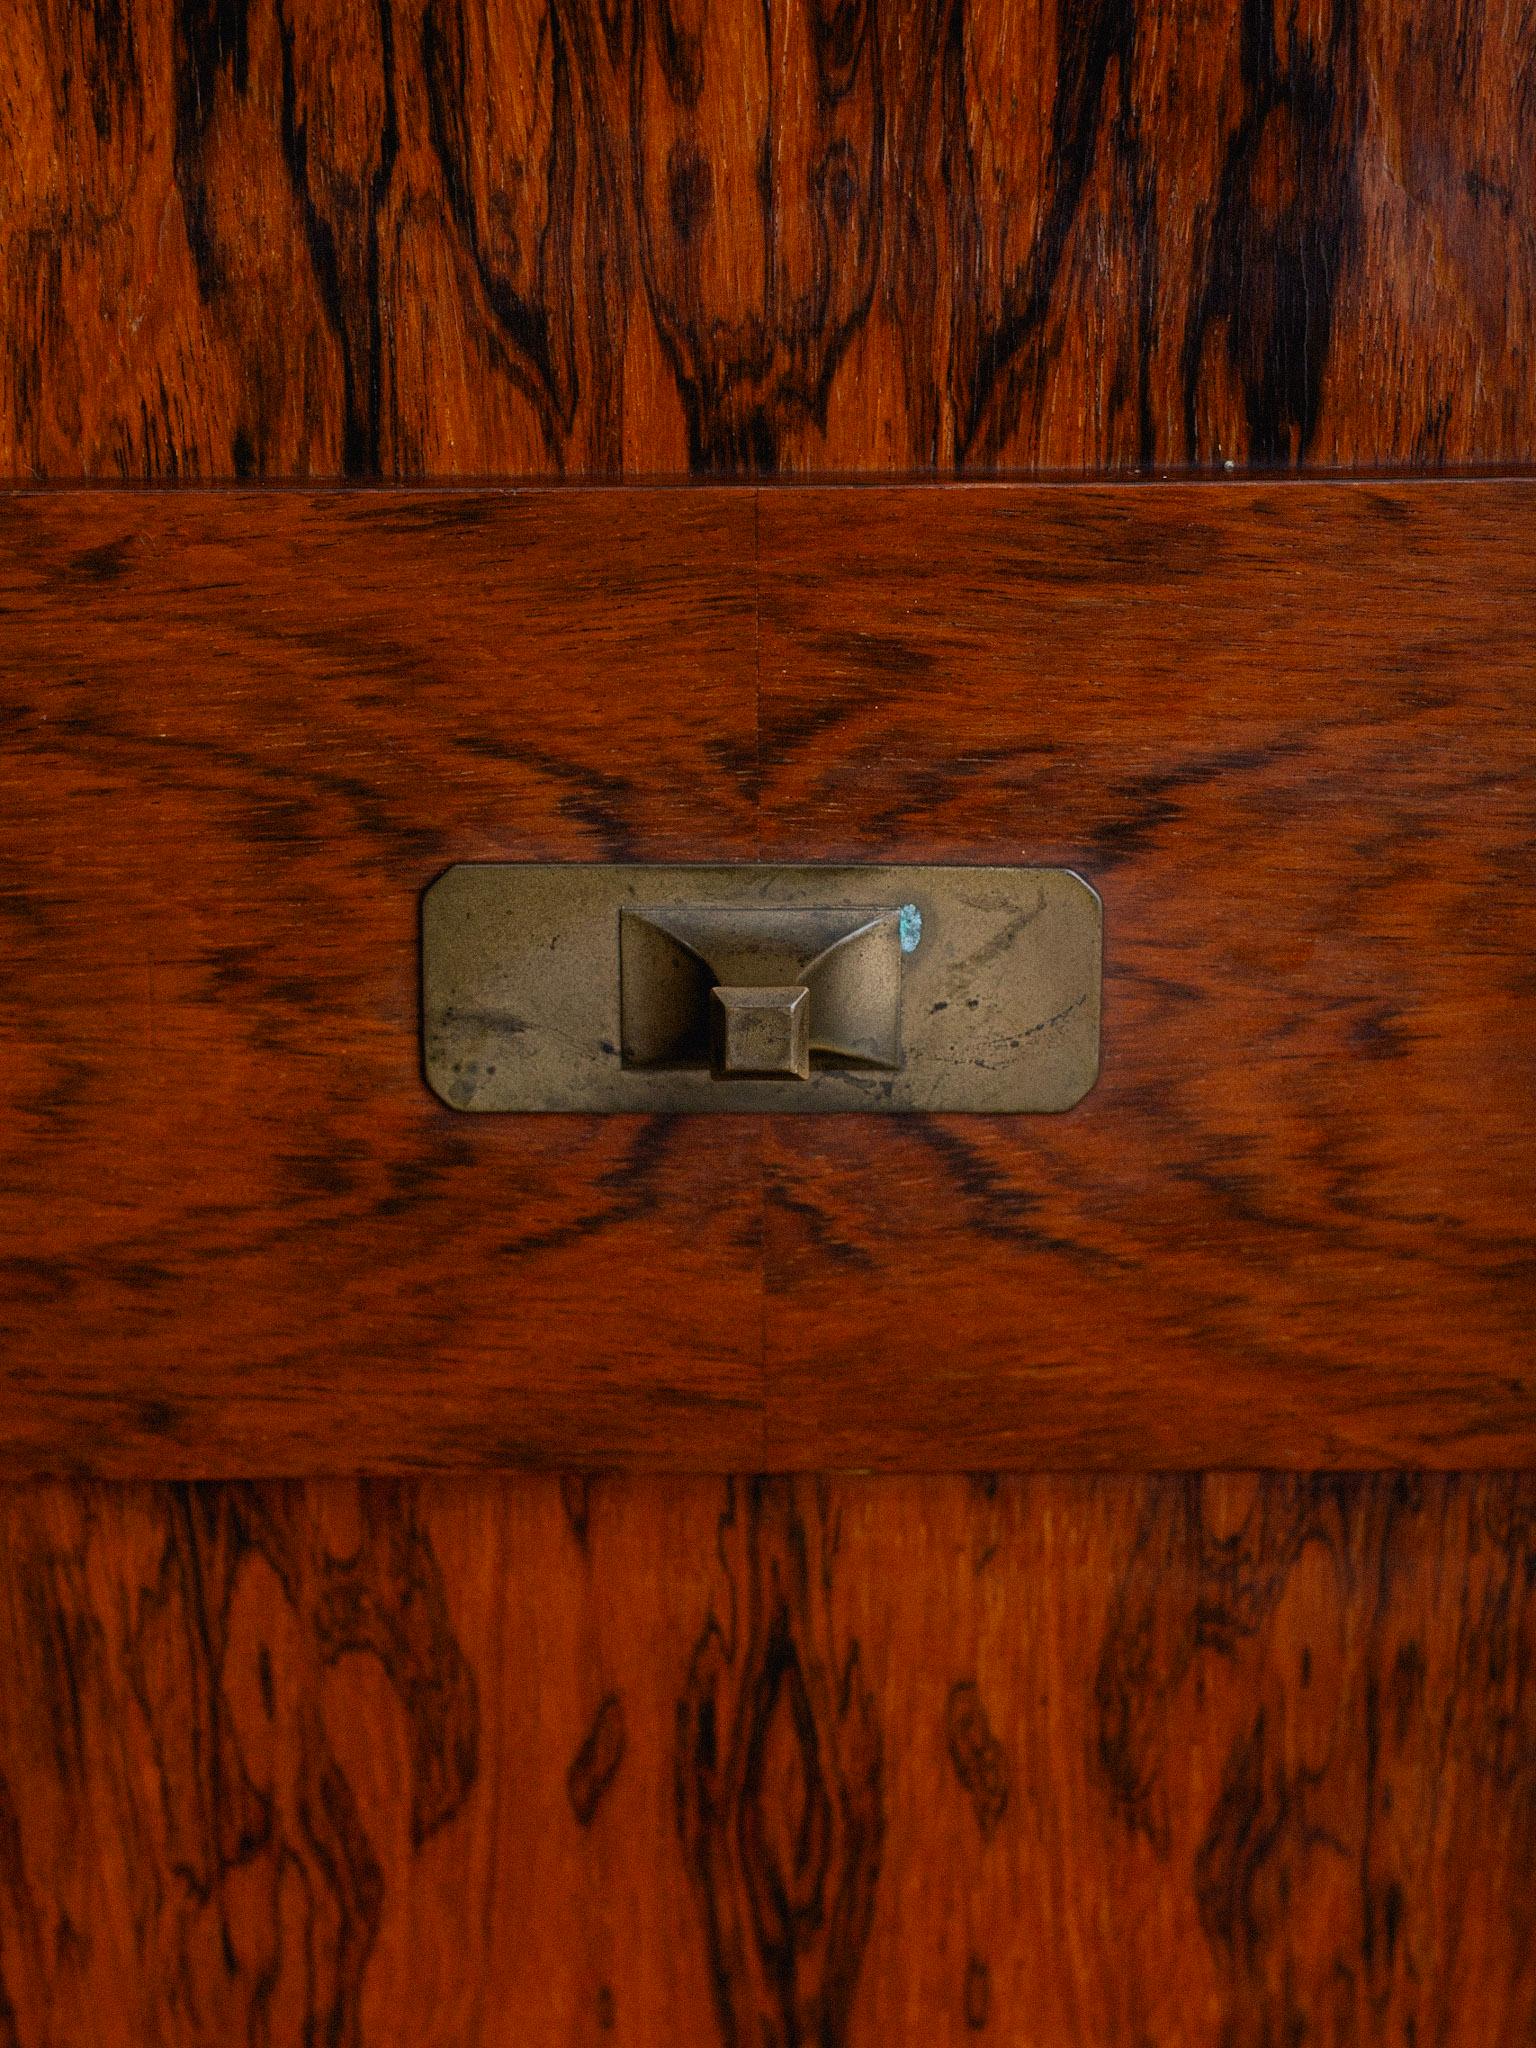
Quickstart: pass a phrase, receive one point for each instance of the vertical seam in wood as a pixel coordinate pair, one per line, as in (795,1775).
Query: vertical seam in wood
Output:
(757,675)
(757,854)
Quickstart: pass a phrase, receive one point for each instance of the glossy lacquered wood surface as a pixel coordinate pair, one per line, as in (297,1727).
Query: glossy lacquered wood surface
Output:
(1288,734)
(231,774)
(314,1760)
(474,237)
(482,1762)
(1284,730)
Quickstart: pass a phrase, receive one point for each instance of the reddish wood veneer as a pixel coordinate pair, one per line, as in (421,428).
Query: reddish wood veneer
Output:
(1282,728)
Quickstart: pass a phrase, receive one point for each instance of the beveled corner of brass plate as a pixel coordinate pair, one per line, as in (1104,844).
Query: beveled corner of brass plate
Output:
(587,987)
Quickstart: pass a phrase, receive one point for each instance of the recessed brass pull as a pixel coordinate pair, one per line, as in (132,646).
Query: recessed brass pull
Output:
(735,988)
(758,991)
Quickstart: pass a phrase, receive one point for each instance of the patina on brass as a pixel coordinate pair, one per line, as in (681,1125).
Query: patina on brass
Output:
(739,988)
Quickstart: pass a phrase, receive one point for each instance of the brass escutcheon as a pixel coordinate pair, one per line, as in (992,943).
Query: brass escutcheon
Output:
(777,988)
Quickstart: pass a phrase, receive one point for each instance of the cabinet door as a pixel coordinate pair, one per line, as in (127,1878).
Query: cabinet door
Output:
(385,1669)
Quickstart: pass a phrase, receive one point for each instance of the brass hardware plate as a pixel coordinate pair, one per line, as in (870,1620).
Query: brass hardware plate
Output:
(760,988)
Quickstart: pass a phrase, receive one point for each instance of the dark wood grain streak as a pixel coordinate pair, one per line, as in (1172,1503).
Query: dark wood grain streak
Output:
(980,1760)
(596,1763)
(780,1778)
(1284,729)
(277,1762)
(479,237)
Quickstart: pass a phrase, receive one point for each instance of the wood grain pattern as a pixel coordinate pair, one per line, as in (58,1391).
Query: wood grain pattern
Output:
(229,776)
(293,1762)
(1284,730)
(1266,1745)
(478,237)
(1292,748)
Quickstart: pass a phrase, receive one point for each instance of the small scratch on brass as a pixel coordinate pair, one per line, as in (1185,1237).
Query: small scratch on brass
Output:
(1061,1016)
(1002,940)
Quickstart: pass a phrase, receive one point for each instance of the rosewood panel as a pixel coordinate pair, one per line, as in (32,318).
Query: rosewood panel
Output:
(242,735)
(1285,730)
(1289,735)
(474,237)
(472,1763)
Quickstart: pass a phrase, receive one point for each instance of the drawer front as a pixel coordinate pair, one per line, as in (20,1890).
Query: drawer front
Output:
(1283,730)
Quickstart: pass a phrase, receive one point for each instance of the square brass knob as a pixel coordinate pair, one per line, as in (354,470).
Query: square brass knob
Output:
(761,1030)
